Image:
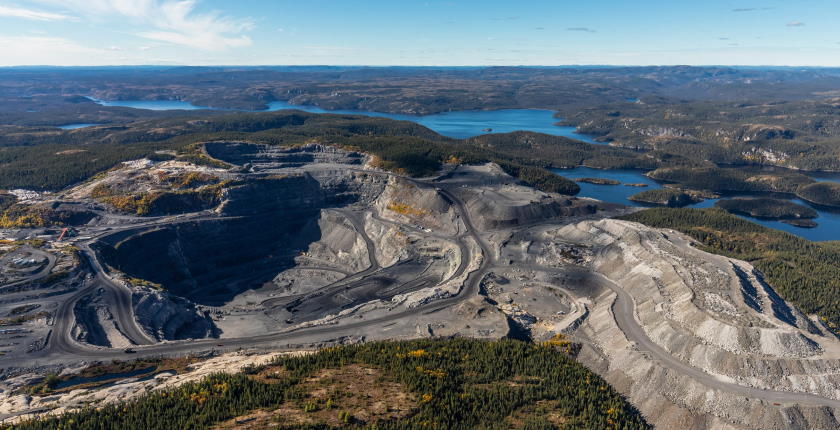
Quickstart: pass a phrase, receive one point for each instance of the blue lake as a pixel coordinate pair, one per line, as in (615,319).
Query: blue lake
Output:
(469,123)
(75,126)
(828,221)
(150,104)
(458,124)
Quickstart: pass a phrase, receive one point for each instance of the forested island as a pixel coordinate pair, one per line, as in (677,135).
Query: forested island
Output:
(821,193)
(769,208)
(671,197)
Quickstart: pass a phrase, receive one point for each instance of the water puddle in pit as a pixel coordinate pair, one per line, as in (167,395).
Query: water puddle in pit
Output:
(104,377)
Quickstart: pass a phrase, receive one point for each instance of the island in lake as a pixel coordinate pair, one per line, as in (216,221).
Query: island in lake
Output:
(599,181)
(775,209)
(671,197)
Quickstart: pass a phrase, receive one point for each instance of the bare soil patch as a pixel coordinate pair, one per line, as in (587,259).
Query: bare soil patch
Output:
(334,397)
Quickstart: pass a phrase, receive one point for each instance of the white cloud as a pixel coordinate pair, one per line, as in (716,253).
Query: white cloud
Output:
(796,24)
(178,24)
(19,12)
(43,50)
(32,50)
(208,41)
(172,21)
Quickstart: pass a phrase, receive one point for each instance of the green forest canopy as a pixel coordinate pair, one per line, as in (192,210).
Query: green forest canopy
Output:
(457,384)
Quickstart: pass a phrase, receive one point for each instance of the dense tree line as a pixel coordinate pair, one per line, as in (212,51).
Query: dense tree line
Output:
(560,152)
(671,197)
(803,272)
(55,160)
(41,160)
(540,179)
(732,179)
(52,167)
(766,208)
(821,193)
(458,384)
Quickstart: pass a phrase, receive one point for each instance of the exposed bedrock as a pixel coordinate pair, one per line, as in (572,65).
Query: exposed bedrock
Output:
(95,324)
(405,202)
(168,317)
(281,195)
(258,157)
(253,154)
(495,212)
(312,174)
(709,312)
(269,221)
(210,261)
(273,194)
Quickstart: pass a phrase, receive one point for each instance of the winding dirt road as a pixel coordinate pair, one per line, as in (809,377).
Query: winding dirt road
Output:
(62,348)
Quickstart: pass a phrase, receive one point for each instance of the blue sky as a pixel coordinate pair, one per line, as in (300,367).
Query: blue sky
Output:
(409,32)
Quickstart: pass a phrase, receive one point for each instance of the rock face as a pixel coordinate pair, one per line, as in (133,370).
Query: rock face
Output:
(274,231)
(95,323)
(711,313)
(169,317)
(497,201)
(210,261)
(257,156)
(278,195)
(266,222)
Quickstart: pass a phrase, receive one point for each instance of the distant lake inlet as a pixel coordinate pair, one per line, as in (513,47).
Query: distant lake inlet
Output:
(464,124)
(456,124)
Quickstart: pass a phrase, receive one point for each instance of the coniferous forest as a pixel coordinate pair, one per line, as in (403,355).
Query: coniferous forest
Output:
(451,384)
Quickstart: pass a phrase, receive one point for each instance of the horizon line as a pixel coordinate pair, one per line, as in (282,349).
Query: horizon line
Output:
(421,66)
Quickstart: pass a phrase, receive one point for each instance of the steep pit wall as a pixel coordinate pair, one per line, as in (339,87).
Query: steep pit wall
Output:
(211,261)
(280,196)
(168,317)
(266,221)
(260,156)
(405,202)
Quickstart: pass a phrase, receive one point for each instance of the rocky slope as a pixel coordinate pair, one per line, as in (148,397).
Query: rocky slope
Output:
(712,314)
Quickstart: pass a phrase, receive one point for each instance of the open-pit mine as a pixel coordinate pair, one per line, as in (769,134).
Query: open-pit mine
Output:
(297,248)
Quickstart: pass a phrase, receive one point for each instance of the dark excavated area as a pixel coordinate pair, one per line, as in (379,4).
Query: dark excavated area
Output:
(210,262)
(268,222)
